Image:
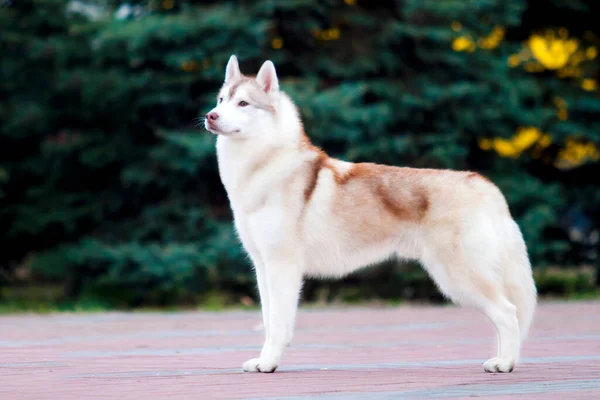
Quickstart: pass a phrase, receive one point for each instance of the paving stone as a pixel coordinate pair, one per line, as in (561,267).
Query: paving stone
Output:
(406,352)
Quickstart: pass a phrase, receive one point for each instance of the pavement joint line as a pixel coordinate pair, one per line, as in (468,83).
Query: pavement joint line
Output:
(77,318)
(339,367)
(30,364)
(244,332)
(464,390)
(178,351)
(332,345)
(223,332)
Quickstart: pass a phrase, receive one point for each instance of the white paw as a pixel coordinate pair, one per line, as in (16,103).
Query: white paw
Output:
(498,364)
(258,365)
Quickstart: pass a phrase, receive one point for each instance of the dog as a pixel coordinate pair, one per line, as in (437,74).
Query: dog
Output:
(299,212)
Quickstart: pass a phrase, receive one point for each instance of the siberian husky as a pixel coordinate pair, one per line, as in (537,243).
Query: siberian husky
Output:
(299,212)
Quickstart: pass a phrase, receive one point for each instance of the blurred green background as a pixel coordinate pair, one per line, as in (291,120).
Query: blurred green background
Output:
(109,192)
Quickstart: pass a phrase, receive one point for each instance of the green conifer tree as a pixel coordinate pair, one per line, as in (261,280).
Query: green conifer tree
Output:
(106,182)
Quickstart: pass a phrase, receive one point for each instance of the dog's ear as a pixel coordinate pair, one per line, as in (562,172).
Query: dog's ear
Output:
(267,77)
(233,69)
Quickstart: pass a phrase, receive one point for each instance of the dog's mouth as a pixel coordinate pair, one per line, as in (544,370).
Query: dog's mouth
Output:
(213,128)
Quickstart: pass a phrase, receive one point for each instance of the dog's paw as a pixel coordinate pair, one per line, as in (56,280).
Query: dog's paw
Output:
(258,365)
(498,364)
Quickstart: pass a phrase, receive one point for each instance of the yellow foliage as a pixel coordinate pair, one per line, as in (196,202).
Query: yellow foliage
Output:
(574,153)
(466,43)
(561,106)
(560,102)
(506,148)
(589,84)
(463,43)
(591,53)
(577,153)
(486,144)
(277,43)
(544,141)
(569,72)
(350,2)
(513,147)
(552,53)
(526,137)
(327,34)
(578,58)
(513,60)
(534,67)
(563,114)
(554,50)
(493,39)
(563,33)
(190,66)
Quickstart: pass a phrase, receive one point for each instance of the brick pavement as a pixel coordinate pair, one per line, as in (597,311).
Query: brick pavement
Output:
(414,352)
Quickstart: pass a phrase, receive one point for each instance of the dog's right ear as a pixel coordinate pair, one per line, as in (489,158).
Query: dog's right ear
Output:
(267,77)
(233,69)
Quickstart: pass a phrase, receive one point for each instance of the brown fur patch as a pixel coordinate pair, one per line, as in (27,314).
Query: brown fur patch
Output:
(306,144)
(315,166)
(339,177)
(396,189)
(313,175)
(424,202)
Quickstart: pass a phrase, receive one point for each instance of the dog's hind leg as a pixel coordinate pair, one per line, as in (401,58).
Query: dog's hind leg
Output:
(464,285)
(468,262)
(503,314)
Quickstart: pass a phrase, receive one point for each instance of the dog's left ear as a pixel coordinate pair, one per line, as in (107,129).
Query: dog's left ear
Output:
(267,77)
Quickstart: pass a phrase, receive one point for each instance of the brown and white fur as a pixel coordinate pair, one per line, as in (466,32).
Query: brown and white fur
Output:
(301,213)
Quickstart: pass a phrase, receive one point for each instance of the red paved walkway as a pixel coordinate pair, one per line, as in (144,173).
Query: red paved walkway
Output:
(392,353)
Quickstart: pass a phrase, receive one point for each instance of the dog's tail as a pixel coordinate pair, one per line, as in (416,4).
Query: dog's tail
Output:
(518,281)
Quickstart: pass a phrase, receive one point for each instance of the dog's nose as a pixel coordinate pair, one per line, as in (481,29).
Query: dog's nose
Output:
(212,116)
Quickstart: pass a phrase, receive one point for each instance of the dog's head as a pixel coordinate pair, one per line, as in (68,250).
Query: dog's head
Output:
(246,106)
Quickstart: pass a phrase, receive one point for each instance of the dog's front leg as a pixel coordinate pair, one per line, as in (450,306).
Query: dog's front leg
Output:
(284,281)
(263,291)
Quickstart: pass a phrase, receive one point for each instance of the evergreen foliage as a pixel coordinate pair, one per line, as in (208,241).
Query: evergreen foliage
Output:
(108,185)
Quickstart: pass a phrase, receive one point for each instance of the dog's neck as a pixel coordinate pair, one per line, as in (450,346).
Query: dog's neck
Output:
(289,125)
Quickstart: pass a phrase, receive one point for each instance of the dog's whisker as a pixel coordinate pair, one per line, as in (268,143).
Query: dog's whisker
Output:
(199,121)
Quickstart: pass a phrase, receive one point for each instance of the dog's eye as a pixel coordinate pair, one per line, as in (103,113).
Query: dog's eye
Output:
(242,103)
(220,99)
